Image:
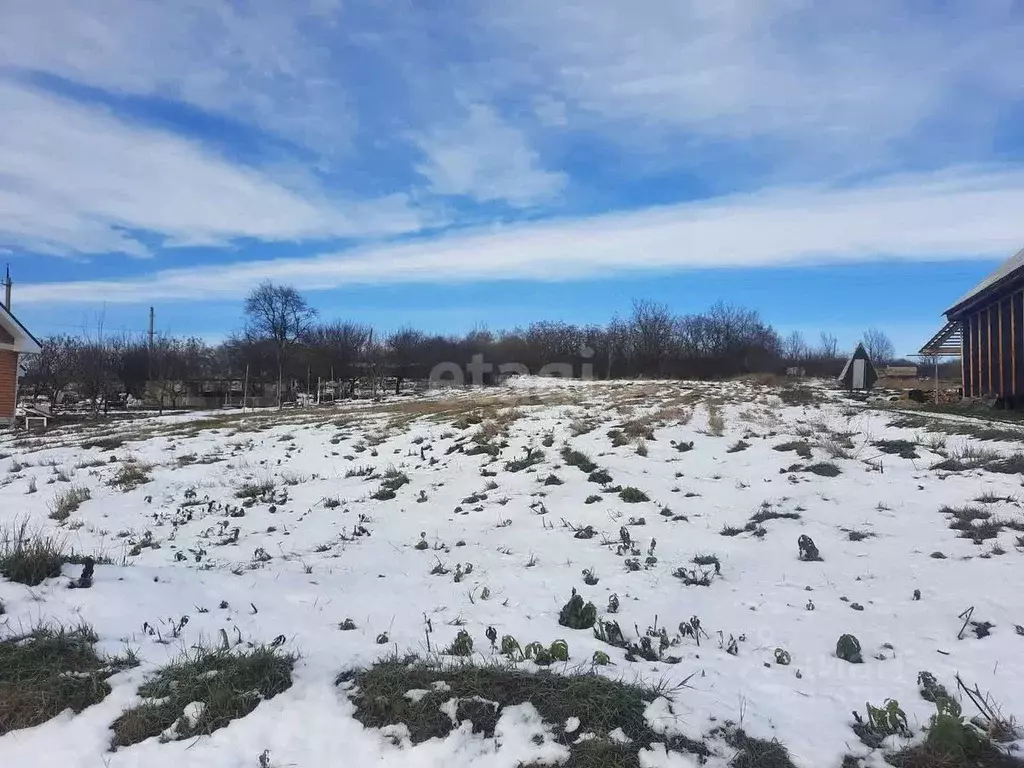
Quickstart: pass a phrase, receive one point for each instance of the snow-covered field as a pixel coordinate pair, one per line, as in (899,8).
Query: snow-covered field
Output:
(313,547)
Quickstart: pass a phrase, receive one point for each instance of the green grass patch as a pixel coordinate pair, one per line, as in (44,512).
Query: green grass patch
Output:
(578,459)
(50,670)
(755,753)
(226,684)
(600,704)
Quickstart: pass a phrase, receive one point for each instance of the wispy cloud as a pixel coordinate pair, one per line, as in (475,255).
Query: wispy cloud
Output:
(380,114)
(76,181)
(974,213)
(846,78)
(481,156)
(265,62)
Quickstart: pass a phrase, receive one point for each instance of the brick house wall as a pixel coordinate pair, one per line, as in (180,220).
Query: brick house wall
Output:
(8,384)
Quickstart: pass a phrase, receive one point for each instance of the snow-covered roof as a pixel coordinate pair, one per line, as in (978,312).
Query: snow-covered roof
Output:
(1006,269)
(23,340)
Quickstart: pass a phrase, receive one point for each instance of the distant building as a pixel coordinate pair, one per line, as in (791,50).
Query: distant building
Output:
(985,328)
(859,372)
(15,341)
(900,372)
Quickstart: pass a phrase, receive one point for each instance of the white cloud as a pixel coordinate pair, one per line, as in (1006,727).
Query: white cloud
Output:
(847,76)
(972,213)
(78,181)
(262,62)
(487,159)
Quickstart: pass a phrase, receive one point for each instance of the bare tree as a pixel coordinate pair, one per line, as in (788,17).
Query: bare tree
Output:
(878,346)
(279,314)
(794,348)
(404,354)
(829,348)
(652,331)
(51,371)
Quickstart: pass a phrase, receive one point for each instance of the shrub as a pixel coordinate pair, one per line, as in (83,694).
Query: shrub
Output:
(578,459)
(905,449)
(577,615)
(632,495)
(531,457)
(393,480)
(618,438)
(30,558)
(462,645)
(68,501)
(824,469)
(801,447)
(130,476)
(254,490)
(716,421)
(600,476)
(887,720)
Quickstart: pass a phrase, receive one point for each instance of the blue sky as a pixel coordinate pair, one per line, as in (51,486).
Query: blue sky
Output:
(833,165)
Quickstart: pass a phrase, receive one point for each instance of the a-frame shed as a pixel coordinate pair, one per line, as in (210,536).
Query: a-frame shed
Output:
(859,373)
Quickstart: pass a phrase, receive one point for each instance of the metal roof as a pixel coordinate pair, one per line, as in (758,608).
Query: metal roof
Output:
(947,341)
(1006,269)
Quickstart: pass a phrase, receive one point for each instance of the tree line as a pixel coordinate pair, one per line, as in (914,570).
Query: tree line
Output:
(284,341)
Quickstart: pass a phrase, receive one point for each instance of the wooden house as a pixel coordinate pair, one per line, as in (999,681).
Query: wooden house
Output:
(986,328)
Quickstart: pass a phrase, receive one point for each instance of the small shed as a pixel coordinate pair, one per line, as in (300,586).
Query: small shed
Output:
(859,373)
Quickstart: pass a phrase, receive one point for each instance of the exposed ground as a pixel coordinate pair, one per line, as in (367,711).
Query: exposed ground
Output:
(249,589)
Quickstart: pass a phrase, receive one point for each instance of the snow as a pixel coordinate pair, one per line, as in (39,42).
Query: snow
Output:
(193,712)
(317,572)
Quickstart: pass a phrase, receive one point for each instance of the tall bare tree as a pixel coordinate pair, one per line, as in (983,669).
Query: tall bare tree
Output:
(879,347)
(795,349)
(829,348)
(280,315)
(53,369)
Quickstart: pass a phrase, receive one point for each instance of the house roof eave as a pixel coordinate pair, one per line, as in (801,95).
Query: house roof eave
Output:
(23,338)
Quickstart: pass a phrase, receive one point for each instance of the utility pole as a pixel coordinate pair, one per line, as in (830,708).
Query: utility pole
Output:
(149,358)
(8,285)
